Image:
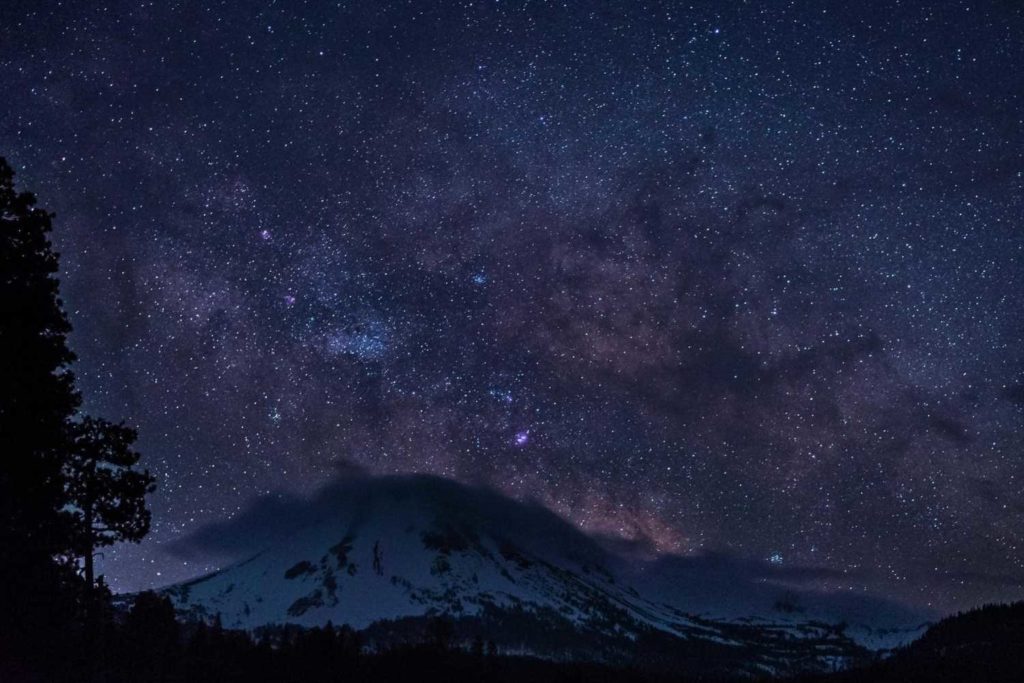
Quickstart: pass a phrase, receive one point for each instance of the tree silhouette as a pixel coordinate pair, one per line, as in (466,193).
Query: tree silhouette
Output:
(67,486)
(152,638)
(107,498)
(37,398)
(37,393)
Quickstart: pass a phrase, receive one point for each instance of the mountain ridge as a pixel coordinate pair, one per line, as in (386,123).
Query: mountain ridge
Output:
(370,551)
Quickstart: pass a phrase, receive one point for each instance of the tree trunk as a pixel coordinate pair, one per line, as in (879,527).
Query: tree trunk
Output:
(88,505)
(90,579)
(90,606)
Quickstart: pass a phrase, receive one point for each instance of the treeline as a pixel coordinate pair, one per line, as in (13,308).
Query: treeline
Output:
(147,644)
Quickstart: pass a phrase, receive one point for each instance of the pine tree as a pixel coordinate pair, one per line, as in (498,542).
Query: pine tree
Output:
(152,639)
(106,497)
(37,393)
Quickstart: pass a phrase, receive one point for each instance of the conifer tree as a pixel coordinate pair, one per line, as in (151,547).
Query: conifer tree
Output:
(37,392)
(106,496)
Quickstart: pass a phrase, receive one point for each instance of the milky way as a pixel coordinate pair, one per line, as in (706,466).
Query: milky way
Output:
(728,277)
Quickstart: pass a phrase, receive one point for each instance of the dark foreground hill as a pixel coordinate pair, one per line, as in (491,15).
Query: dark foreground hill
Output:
(982,645)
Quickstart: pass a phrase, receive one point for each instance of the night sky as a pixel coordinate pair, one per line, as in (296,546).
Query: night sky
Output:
(739,278)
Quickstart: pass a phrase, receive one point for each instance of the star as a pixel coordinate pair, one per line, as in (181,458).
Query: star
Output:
(742,275)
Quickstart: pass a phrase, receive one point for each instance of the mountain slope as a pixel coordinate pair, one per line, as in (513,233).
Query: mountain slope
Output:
(385,554)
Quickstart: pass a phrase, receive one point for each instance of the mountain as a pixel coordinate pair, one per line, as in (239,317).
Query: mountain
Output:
(389,555)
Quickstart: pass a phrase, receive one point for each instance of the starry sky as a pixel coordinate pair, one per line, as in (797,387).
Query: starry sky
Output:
(738,278)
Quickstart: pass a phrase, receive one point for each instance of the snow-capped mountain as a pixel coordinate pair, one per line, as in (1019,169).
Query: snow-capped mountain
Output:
(386,554)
